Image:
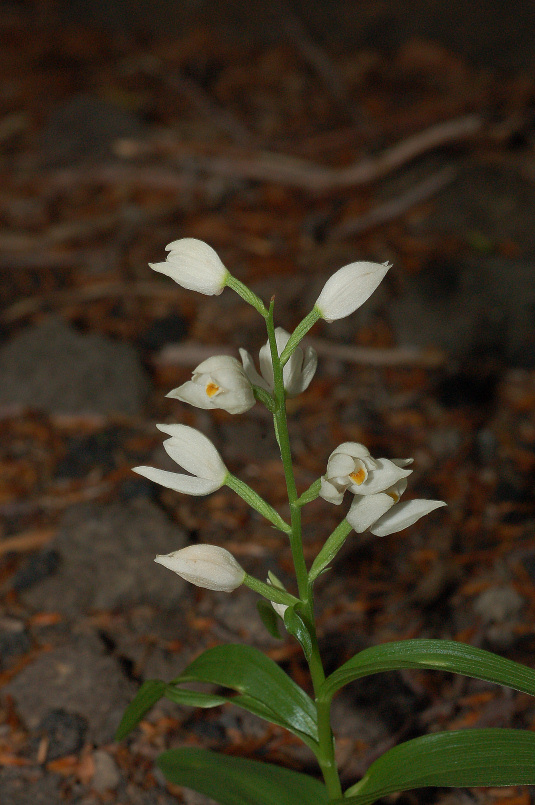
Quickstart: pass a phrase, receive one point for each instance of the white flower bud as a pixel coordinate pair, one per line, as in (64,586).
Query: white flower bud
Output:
(205,566)
(297,373)
(351,467)
(348,289)
(194,265)
(218,382)
(196,454)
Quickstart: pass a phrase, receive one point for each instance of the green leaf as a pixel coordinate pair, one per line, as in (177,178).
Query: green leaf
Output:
(238,781)
(193,698)
(149,693)
(475,757)
(250,673)
(439,655)
(269,618)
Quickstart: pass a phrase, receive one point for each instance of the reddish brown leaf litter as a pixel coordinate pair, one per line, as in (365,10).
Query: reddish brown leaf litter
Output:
(291,155)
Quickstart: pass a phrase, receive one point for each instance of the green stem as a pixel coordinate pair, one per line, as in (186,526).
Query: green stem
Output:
(256,502)
(298,334)
(269,591)
(325,753)
(246,294)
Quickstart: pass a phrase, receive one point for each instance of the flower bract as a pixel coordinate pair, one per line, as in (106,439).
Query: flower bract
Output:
(218,382)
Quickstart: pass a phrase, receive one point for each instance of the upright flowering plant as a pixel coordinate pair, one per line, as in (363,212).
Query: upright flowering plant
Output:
(473,757)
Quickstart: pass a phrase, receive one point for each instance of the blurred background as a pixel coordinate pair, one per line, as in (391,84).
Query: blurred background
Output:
(294,138)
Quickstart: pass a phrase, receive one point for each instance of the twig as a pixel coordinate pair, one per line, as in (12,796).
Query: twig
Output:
(320,62)
(26,307)
(397,206)
(117,174)
(272,166)
(309,176)
(27,541)
(218,115)
(190,354)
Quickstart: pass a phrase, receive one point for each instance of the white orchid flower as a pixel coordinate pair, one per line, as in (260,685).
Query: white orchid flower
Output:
(297,373)
(197,455)
(194,265)
(383,514)
(352,467)
(205,566)
(348,289)
(218,382)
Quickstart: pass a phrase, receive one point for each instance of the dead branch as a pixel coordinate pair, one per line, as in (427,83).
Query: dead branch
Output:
(191,354)
(56,299)
(274,167)
(395,207)
(271,166)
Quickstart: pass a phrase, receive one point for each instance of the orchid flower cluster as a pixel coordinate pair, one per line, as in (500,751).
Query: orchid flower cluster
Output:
(286,369)
(222,382)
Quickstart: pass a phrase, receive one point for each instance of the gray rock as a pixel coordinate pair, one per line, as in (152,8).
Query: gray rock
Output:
(498,605)
(107,560)
(107,775)
(54,368)
(65,733)
(79,679)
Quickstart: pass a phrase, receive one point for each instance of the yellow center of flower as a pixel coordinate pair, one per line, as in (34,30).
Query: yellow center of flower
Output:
(394,496)
(212,389)
(358,477)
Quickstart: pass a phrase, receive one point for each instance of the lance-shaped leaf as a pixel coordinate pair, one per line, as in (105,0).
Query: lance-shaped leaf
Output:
(152,691)
(438,655)
(460,758)
(149,693)
(238,781)
(260,683)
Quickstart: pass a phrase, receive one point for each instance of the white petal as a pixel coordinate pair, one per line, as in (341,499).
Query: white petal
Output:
(340,464)
(353,449)
(330,492)
(403,462)
(403,515)
(349,288)
(238,400)
(250,370)
(194,265)
(192,450)
(206,566)
(266,365)
(187,484)
(367,509)
(310,364)
(292,373)
(194,394)
(386,474)
(217,363)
